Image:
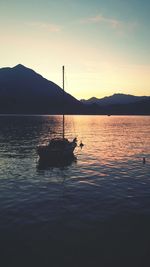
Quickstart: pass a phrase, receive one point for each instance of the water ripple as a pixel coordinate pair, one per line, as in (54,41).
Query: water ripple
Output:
(108,178)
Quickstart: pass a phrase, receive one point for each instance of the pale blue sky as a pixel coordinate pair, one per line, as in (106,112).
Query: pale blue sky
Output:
(104,45)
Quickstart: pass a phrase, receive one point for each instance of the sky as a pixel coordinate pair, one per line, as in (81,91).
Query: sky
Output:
(104,44)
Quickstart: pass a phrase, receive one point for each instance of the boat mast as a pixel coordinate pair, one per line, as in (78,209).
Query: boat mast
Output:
(63,69)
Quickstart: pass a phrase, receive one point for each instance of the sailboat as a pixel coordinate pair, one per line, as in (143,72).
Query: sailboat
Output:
(58,149)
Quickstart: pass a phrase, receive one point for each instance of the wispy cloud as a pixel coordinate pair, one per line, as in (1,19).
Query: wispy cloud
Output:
(115,24)
(46,26)
(100,18)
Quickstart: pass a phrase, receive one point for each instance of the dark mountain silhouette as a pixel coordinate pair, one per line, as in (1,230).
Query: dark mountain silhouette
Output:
(137,108)
(114,99)
(24,91)
(119,104)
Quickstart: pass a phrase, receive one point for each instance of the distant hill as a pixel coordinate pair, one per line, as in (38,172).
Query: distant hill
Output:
(119,104)
(137,108)
(114,99)
(22,90)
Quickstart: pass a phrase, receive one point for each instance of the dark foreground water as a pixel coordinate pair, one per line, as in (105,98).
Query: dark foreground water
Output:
(93,212)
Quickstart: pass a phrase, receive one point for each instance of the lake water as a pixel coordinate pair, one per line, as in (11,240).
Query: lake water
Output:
(93,212)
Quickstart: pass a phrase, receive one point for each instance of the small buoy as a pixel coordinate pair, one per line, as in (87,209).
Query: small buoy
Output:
(144,160)
(81,144)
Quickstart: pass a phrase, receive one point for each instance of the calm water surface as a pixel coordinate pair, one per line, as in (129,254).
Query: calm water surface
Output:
(93,212)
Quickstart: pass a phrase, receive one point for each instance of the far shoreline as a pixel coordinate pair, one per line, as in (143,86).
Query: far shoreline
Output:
(69,114)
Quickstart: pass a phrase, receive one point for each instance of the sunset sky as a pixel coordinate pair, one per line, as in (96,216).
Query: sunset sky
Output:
(104,45)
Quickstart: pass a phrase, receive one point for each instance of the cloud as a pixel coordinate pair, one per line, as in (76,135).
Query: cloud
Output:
(46,26)
(100,18)
(113,23)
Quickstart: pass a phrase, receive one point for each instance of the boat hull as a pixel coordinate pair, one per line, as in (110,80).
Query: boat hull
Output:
(55,152)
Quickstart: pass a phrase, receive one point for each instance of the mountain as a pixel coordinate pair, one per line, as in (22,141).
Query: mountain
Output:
(119,104)
(22,90)
(141,107)
(114,99)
